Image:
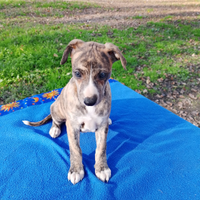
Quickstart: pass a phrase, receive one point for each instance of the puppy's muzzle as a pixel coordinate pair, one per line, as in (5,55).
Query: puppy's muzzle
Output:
(90,101)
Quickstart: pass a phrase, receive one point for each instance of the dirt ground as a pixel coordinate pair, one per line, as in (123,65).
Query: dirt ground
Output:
(129,13)
(121,13)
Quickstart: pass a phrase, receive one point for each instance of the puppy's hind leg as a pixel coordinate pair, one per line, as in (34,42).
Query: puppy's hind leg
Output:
(55,129)
(57,120)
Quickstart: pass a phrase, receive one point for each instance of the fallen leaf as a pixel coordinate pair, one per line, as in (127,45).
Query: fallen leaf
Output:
(169,103)
(145,91)
(160,80)
(148,80)
(159,96)
(163,103)
(180,105)
(55,55)
(192,96)
(138,91)
(174,111)
(193,90)
(195,113)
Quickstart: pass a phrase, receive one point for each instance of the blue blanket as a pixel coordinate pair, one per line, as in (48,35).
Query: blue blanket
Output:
(152,153)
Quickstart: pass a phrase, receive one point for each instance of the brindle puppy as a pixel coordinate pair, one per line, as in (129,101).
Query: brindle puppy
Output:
(85,102)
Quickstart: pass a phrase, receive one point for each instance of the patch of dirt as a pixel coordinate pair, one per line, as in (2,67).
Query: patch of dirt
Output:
(126,13)
(182,98)
(117,14)
(178,96)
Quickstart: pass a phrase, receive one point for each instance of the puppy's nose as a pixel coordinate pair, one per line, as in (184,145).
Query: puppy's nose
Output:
(90,101)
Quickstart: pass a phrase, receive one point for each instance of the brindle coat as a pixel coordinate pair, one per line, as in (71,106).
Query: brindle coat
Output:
(85,103)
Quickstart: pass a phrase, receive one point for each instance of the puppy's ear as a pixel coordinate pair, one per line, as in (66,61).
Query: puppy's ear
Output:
(74,44)
(115,54)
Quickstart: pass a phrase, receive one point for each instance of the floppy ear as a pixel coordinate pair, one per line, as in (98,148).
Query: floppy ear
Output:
(115,54)
(74,44)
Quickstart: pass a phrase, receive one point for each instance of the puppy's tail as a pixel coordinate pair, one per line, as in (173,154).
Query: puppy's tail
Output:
(44,121)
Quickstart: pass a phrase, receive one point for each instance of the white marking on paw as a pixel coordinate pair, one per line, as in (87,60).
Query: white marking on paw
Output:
(54,132)
(104,175)
(75,177)
(109,121)
(26,122)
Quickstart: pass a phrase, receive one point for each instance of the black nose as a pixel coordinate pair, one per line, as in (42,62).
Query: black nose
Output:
(90,101)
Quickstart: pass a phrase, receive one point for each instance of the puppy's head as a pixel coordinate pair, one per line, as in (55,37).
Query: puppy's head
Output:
(91,68)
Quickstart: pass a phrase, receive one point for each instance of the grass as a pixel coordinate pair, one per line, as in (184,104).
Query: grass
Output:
(169,17)
(14,8)
(45,4)
(139,17)
(30,53)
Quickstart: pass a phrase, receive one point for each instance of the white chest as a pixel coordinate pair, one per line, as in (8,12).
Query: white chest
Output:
(91,121)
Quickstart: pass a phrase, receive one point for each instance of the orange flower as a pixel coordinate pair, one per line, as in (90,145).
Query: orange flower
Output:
(9,106)
(51,95)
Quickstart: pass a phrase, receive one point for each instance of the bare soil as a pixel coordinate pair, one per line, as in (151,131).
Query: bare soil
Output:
(133,13)
(124,13)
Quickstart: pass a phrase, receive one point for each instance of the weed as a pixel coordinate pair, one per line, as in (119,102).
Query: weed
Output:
(138,17)
(150,10)
(169,17)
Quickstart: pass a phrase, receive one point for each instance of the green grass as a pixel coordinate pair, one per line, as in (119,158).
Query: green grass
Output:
(138,17)
(12,4)
(45,4)
(64,5)
(13,8)
(168,17)
(30,54)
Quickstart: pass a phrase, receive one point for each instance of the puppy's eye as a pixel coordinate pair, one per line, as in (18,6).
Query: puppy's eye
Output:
(77,74)
(102,75)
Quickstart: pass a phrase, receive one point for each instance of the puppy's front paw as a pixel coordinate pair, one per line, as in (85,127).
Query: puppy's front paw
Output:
(75,177)
(104,175)
(109,121)
(54,132)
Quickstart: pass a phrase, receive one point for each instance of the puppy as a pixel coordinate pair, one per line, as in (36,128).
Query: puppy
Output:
(85,103)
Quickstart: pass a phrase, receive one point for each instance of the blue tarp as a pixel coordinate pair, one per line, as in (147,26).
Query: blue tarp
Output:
(152,153)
